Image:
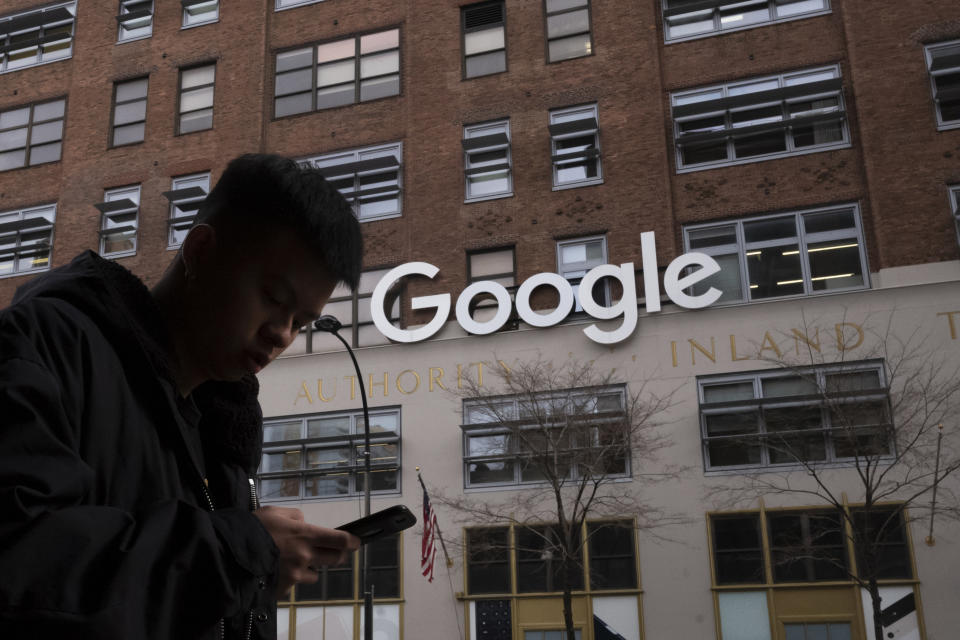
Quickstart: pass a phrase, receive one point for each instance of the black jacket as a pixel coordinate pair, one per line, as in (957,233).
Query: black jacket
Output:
(124,509)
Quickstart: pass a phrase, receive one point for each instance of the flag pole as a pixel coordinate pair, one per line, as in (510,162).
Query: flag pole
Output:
(443,545)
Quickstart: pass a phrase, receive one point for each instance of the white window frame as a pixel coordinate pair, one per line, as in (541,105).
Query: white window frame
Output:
(928,52)
(29,130)
(364,163)
(575,271)
(815,374)
(485,425)
(307,60)
(571,123)
(954,193)
(35,223)
(185,198)
(353,441)
(802,239)
(144,28)
(282,5)
(485,138)
(119,214)
(713,10)
(723,101)
(30,35)
(200,12)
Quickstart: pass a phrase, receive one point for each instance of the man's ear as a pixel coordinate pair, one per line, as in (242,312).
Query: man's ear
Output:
(198,249)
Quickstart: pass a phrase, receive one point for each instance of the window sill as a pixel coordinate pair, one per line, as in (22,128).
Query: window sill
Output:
(776,156)
(23,273)
(133,39)
(199,24)
(533,485)
(713,34)
(577,185)
(37,64)
(385,216)
(947,126)
(792,467)
(495,196)
(277,9)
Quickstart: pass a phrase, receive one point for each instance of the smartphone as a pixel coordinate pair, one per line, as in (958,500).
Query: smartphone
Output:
(382,523)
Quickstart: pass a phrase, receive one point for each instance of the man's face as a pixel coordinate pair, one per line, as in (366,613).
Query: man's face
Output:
(251,299)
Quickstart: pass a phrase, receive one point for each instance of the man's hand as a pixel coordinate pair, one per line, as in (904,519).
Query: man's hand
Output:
(303,547)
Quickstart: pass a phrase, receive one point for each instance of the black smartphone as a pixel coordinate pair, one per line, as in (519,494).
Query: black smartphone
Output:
(382,523)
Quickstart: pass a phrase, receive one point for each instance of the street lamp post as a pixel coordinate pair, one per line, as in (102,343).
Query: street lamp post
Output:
(330,324)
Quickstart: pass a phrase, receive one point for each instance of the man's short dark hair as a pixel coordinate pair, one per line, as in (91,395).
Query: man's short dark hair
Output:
(258,191)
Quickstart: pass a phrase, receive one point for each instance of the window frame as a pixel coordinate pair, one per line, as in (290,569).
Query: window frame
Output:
(29,126)
(463,38)
(953,192)
(187,21)
(494,146)
(108,213)
(486,301)
(194,89)
(124,10)
(802,240)
(359,172)
(758,403)
(178,198)
(728,101)
(514,455)
(942,125)
(111,143)
(20,227)
(351,441)
(719,31)
(547,14)
(23,22)
(358,78)
(564,268)
(559,132)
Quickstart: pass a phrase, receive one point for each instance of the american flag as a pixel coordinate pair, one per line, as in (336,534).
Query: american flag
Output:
(428,547)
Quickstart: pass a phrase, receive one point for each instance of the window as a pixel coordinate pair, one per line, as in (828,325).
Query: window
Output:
(286,4)
(568,29)
(328,608)
(136,19)
(789,254)
(497,265)
(575,258)
(737,549)
(118,221)
(129,111)
(186,195)
(955,206)
(759,119)
(333,74)
(370,178)
(321,456)
(484,44)
(575,146)
(36,37)
(692,18)
(798,416)
(196,99)
(883,529)
(31,135)
(196,12)
(514,441)
(535,556)
(816,631)
(943,63)
(807,546)
(486,160)
(26,236)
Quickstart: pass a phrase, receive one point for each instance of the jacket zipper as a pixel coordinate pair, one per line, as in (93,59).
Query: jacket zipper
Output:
(254,505)
(206,494)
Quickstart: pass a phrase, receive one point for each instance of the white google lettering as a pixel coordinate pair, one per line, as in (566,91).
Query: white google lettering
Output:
(674,284)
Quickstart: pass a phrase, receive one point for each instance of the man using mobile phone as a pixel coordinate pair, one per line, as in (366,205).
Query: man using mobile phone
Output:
(130,427)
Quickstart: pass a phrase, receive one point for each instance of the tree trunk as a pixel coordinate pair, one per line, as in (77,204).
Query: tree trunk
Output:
(874,590)
(568,610)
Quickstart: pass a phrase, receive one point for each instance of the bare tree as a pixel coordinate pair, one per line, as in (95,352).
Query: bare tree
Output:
(889,422)
(573,433)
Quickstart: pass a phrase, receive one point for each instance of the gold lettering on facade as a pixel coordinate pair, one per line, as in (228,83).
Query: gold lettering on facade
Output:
(768,344)
(696,346)
(841,337)
(953,327)
(479,372)
(800,335)
(373,384)
(673,351)
(733,350)
(353,386)
(436,375)
(320,395)
(303,393)
(400,386)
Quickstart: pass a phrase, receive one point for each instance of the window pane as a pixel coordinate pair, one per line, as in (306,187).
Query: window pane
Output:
(130,112)
(786,8)
(280,461)
(737,549)
(774,271)
(380,41)
(335,96)
(490,263)
(196,99)
(196,77)
(45,153)
(491,472)
(743,14)
(328,458)
(726,280)
(335,73)
(785,386)
(560,5)
(712,237)
(14,139)
(196,121)
(759,144)
(835,265)
(695,153)
(486,64)
(331,485)
(49,110)
(612,564)
(379,88)
(324,427)
(488,569)
(48,132)
(336,50)
(485,40)
(293,82)
(282,431)
(379,64)
(728,392)
(291,105)
(744,615)
(131,90)
(568,23)
(128,134)
(294,59)
(273,488)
